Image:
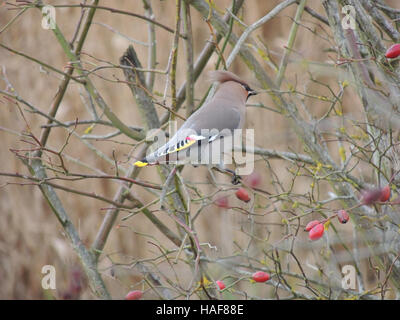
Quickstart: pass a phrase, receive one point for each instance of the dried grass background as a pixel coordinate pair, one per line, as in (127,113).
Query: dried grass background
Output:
(30,235)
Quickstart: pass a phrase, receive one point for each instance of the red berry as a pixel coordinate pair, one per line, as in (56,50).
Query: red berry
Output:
(222,202)
(370,196)
(253,180)
(220,285)
(311,224)
(316,232)
(385,194)
(343,216)
(134,295)
(261,276)
(393,51)
(242,194)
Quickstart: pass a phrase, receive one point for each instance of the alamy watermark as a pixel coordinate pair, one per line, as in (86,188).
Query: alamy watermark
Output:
(49,17)
(207,147)
(349,21)
(49,278)
(349,280)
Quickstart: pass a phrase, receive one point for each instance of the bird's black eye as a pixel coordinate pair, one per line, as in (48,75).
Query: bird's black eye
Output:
(250,91)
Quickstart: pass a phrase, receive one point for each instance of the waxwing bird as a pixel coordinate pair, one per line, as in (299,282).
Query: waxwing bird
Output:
(210,124)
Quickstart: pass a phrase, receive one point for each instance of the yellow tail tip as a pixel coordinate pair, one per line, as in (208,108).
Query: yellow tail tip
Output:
(140,164)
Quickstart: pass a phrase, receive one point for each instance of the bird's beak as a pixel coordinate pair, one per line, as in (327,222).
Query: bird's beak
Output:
(252,93)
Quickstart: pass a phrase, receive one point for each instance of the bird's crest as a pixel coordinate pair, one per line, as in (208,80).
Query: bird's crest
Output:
(224,76)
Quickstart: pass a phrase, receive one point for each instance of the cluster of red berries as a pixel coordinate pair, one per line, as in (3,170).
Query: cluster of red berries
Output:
(259,276)
(316,228)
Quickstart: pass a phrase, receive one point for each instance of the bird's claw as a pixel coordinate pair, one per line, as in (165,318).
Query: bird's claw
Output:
(236,179)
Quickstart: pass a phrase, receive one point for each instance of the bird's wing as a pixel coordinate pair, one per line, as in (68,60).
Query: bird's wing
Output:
(220,117)
(203,128)
(198,128)
(182,140)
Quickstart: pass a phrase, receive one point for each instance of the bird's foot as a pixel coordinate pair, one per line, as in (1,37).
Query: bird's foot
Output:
(236,179)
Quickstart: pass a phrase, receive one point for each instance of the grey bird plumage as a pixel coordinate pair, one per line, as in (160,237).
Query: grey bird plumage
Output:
(206,127)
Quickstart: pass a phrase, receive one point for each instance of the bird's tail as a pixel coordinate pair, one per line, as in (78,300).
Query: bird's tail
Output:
(141,163)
